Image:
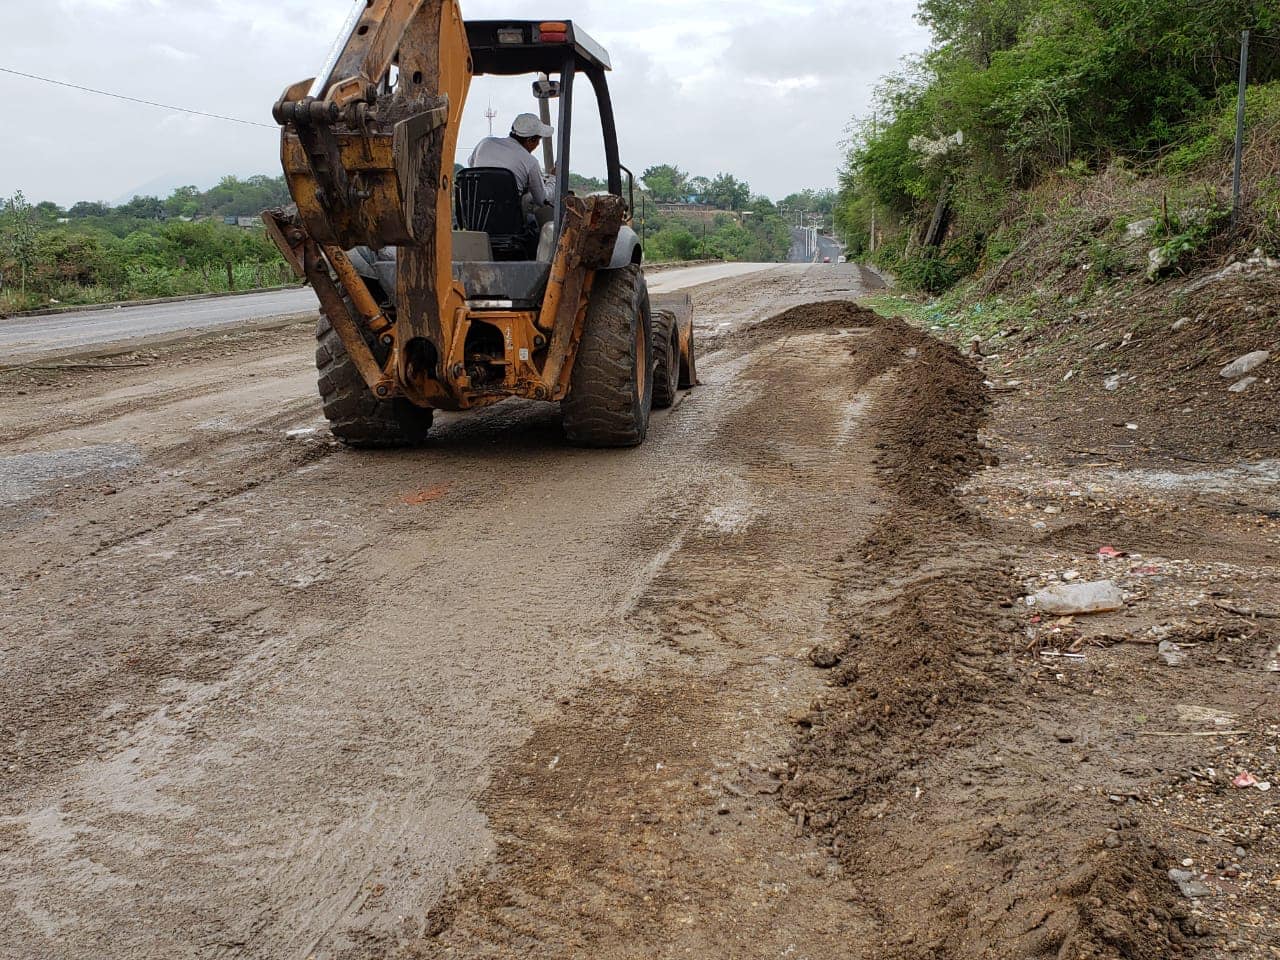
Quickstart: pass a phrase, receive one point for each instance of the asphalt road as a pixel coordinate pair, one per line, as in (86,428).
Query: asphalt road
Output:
(30,337)
(829,248)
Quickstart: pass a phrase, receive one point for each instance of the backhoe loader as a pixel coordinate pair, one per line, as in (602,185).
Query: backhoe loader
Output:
(430,299)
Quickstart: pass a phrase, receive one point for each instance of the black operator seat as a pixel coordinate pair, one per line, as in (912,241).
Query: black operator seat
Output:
(487,200)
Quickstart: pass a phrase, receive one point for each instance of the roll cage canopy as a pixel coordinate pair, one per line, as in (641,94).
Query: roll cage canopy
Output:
(511,48)
(515,47)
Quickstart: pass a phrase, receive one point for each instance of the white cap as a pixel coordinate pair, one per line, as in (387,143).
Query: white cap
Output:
(527,125)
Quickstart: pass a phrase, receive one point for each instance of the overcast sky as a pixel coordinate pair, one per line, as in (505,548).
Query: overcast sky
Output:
(760,88)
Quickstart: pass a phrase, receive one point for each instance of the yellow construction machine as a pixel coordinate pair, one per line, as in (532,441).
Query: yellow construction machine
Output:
(431,295)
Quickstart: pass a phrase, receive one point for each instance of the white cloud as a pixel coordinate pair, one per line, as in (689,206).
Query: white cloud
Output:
(761,88)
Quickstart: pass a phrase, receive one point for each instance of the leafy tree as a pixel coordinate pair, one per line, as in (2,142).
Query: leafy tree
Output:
(49,212)
(728,192)
(233,197)
(667,183)
(86,208)
(698,188)
(143,208)
(585,186)
(183,202)
(18,235)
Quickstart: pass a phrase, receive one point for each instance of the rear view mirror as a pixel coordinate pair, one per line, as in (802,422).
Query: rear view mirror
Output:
(546,89)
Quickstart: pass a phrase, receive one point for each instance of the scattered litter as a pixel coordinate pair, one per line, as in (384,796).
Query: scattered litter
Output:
(1065,599)
(1111,553)
(1171,653)
(1190,885)
(1244,781)
(1131,426)
(1112,383)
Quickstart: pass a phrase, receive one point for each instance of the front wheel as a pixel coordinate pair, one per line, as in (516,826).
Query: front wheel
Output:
(611,388)
(667,359)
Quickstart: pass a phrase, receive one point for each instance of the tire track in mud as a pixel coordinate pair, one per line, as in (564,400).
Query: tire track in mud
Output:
(644,819)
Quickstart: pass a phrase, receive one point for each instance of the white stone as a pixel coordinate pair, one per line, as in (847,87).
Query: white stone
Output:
(1069,599)
(1246,364)
(1140,228)
(1242,385)
(1158,261)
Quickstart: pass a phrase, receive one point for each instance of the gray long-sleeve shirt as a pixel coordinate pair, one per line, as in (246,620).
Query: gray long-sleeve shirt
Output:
(509,154)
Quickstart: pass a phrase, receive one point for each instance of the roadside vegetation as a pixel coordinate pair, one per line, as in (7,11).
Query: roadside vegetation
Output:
(689,217)
(1047,151)
(195,242)
(147,248)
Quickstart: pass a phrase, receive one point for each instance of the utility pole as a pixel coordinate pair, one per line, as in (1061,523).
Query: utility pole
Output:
(1240,109)
(491,115)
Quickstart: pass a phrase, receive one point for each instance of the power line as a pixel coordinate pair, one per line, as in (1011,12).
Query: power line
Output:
(148,103)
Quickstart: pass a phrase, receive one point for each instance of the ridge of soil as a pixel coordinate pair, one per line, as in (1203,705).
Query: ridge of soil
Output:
(924,689)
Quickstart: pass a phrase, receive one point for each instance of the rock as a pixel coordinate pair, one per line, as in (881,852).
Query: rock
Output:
(1229,270)
(1112,383)
(1158,261)
(1140,228)
(824,658)
(1240,386)
(1246,364)
(1068,599)
(1171,653)
(1181,323)
(1112,841)
(1191,886)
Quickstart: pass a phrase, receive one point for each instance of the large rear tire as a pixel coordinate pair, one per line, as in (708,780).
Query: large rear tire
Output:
(611,389)
(666,359)
(357,417)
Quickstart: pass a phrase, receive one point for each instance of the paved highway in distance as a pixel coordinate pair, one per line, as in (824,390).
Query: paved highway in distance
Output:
(29,337)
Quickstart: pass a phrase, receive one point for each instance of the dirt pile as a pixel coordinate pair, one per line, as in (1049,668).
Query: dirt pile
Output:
(923,766)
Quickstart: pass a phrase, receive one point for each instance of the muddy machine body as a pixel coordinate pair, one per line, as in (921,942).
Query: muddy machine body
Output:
(423,306)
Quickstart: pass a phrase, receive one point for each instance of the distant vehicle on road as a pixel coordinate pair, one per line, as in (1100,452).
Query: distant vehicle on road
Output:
(826,259)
